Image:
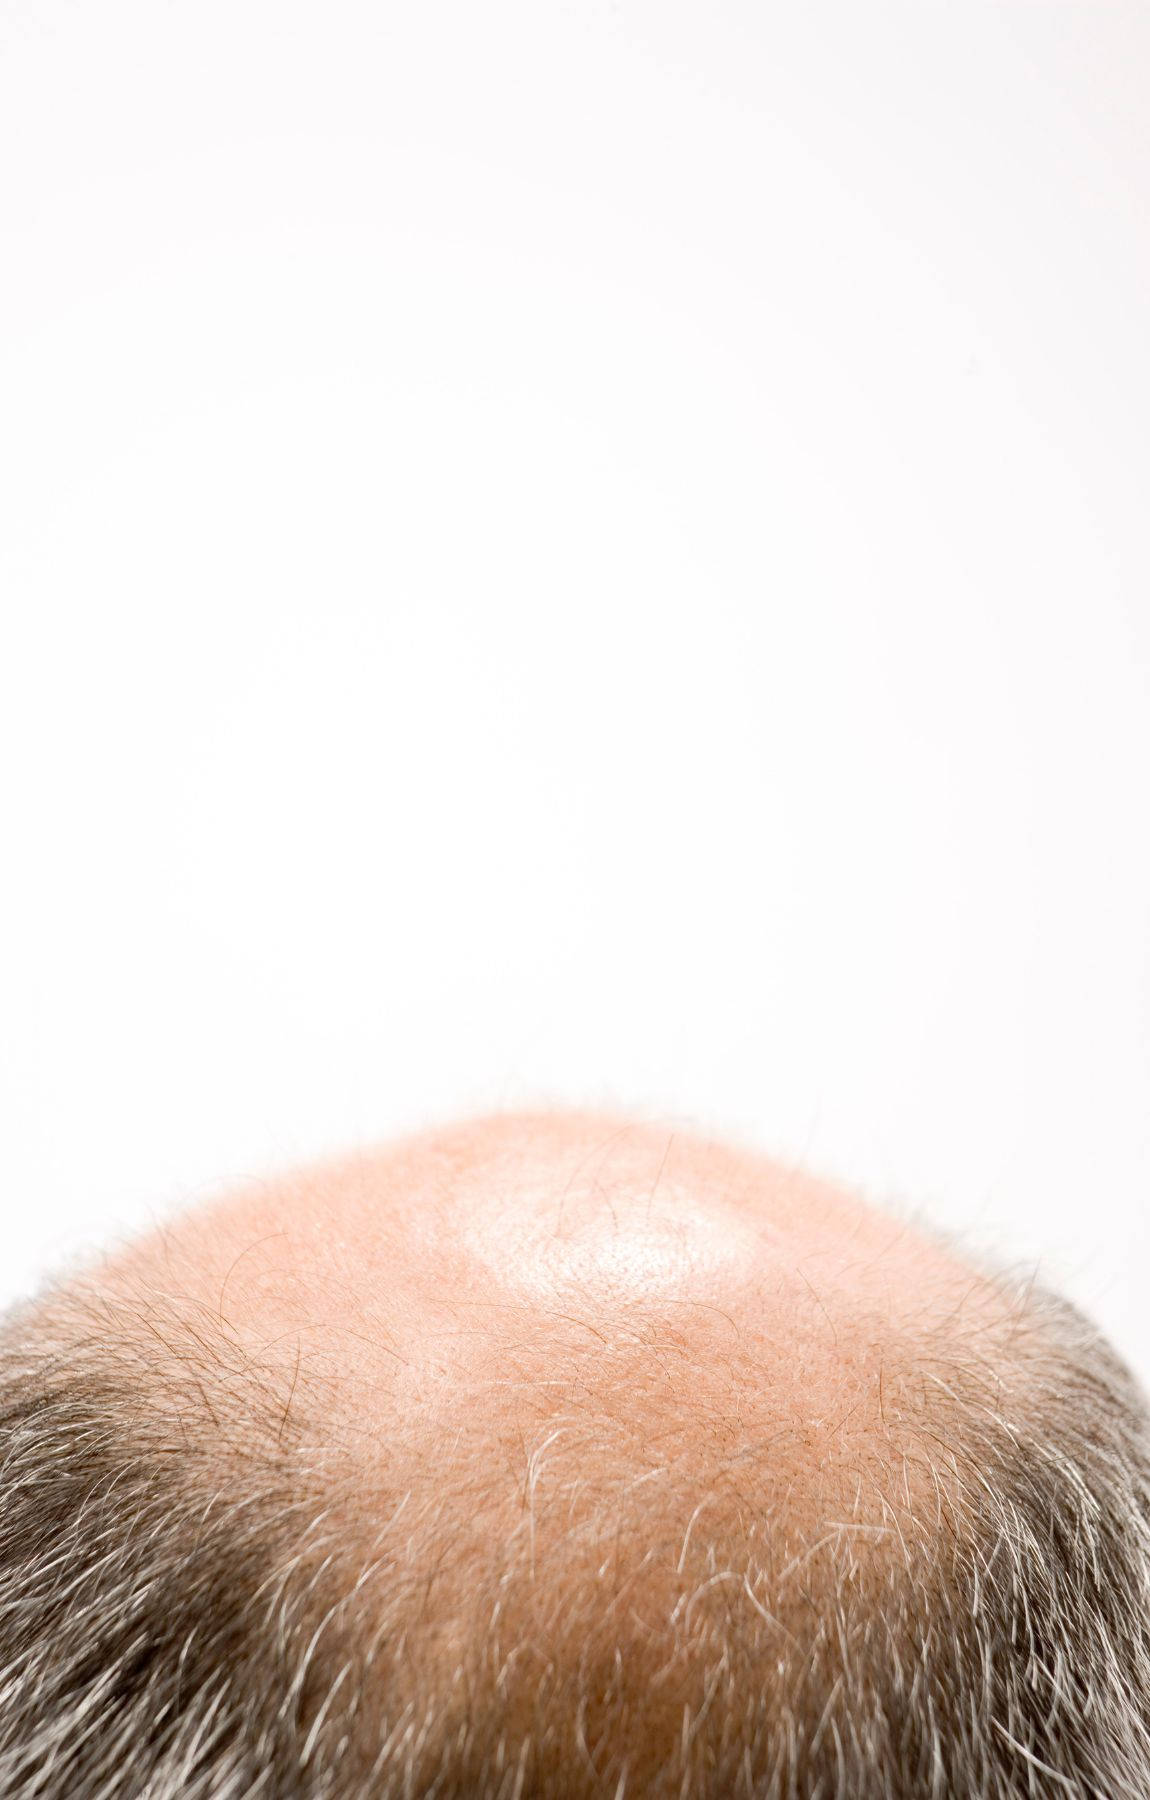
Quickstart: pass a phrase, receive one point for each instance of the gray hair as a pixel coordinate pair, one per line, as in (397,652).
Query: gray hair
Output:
(183,1612)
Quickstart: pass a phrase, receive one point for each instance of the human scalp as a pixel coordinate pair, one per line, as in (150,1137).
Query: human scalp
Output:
(612,1527)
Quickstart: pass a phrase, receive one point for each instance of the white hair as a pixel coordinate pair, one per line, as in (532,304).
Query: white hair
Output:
(181,1616)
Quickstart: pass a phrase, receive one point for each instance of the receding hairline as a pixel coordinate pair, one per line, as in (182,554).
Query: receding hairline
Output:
(559,1262)
(511,1434)
(652,1281)
(547,1606)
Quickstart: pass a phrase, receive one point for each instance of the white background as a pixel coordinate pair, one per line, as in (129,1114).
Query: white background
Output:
(578,551)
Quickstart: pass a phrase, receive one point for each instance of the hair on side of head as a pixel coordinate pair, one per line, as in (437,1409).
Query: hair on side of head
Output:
(182,1612)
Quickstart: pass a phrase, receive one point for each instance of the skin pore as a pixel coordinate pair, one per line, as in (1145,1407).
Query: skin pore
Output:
(575,1393)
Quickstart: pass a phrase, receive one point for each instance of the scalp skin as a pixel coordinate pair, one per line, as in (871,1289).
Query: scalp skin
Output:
(581,1356)
(568,1456)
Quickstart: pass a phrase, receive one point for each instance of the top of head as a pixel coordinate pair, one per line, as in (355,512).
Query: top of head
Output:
(619,1452)
(530,1269)
(549,1333)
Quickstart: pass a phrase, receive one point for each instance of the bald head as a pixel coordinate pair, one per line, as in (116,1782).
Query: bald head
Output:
(568,1455)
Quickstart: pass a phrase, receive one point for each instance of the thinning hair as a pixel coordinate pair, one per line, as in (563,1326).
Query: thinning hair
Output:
(189,1605)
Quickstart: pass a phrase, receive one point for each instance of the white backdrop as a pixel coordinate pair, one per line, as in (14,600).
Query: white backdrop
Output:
(578,551)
